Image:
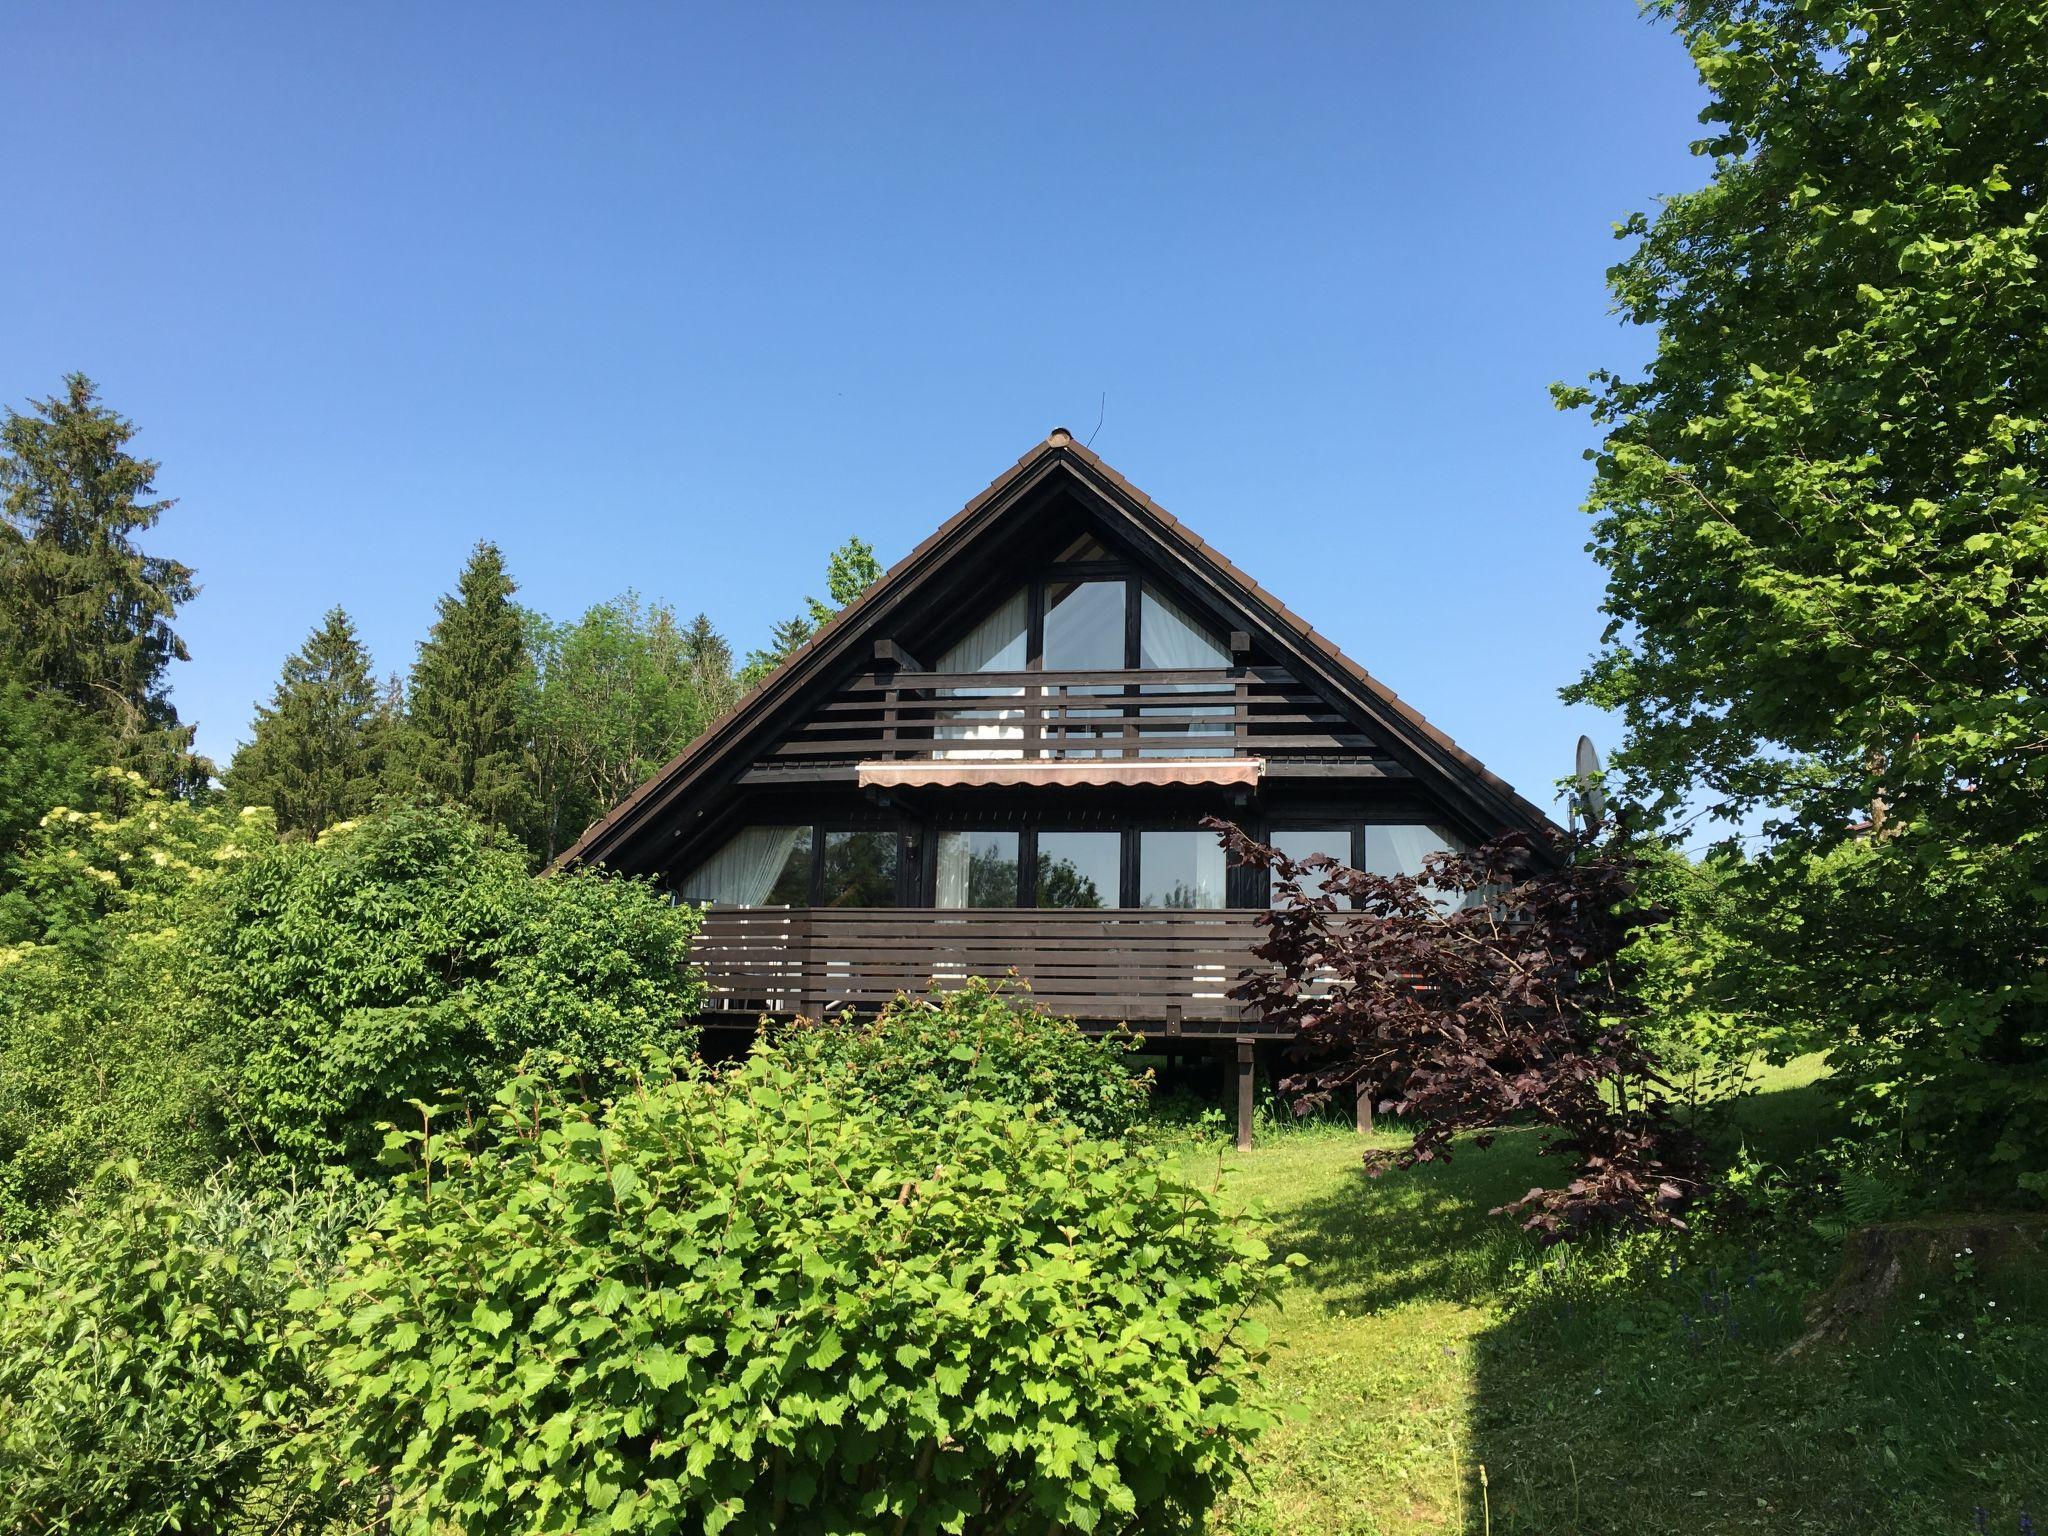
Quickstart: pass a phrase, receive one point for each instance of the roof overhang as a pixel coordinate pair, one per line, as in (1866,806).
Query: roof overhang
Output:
(1013,773)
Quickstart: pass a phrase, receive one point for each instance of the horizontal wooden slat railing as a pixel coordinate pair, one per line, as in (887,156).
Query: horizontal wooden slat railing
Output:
(1153,969)
(1128,713)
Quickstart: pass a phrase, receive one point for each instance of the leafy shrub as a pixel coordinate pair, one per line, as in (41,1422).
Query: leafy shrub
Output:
(104,1051)
(920,1054)
(1462,1020)
(145,1380)
(738,1306)
(409,956)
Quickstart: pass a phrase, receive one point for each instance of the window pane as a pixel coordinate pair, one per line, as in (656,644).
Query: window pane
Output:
(1180,869)
(1400,850)
(1084,626)
(760,867)
(860,869)
(1304,842)
(1086,547)
(1170,636)
(976,869)
(1080,869)
(996,644)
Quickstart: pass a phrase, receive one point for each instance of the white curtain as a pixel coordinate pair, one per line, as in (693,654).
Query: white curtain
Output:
(955,870)
(996,644)
(744,871)
(1171,638)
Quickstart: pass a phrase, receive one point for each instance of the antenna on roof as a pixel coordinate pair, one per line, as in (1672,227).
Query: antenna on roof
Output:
(1101,410)
(1589,799)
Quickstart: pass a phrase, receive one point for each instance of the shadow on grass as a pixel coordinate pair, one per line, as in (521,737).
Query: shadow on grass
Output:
(1641,1385)
(1373,1243)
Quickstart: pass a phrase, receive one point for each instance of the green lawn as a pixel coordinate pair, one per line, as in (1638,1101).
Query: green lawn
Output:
(1432,1380)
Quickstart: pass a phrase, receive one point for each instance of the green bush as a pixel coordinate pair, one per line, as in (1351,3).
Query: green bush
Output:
(409,956)
(919,1055)
(145,1380)
(741,1306)
(105,1052)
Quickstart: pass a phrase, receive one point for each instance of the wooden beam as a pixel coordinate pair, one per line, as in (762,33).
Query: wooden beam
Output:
(1244,1095)
(1364,1110)
(889,654)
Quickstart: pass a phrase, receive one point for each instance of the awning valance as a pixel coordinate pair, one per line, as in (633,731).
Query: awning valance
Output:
(950,773)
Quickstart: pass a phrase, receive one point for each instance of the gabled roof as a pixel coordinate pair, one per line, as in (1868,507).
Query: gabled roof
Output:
(1435,760)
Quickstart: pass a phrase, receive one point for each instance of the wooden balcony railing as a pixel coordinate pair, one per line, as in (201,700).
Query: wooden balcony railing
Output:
(1211,712)
(1159,971)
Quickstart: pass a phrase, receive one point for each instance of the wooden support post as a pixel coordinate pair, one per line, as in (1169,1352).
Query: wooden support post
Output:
(1364,1109)
(1244,1095)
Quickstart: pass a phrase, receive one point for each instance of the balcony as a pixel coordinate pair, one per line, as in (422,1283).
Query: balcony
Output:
(1034,717)
(1163,972)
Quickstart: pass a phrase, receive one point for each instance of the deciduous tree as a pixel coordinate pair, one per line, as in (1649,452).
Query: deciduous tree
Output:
(1823,517)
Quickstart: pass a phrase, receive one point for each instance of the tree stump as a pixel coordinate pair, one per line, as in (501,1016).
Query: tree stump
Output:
(1895,1259)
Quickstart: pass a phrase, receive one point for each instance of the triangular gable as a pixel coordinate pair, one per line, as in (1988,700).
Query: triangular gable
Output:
(732,742)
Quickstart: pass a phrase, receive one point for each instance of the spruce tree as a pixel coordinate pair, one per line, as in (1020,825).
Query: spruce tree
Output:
(711,673)
(784,641)
(84,613)
(463,731)
(315,756)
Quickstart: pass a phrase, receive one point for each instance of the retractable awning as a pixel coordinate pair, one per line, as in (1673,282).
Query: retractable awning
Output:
(1009,773)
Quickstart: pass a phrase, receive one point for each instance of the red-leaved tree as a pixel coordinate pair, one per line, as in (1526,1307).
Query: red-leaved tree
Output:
(1489,992)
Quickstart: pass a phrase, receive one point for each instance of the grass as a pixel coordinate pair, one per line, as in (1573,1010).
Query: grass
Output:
(1633,1387)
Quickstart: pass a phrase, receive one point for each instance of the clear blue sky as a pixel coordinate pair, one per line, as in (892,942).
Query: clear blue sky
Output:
(677,298)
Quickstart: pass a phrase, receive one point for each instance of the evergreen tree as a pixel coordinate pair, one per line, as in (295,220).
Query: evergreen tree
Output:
(83,612)
(711,672)
(784,641)
(317,751)
(463,725)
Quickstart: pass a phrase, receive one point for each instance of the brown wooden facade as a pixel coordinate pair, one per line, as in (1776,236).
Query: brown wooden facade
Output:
(999,757)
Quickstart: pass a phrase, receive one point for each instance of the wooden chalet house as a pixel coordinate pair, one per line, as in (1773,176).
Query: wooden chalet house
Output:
(998,758)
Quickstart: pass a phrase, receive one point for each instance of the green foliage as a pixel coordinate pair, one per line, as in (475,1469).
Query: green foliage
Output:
(851,570)
(49,748)
(133,854)
(918,1056)
(784,641)
(318,749)
(410,956)
(463,737)
(744,1307)
(146,1381)
(104,1051)
(1825,532)
(83,612)
(615,695)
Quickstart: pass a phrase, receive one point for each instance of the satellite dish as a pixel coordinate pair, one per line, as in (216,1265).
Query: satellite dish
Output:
(1588,798)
